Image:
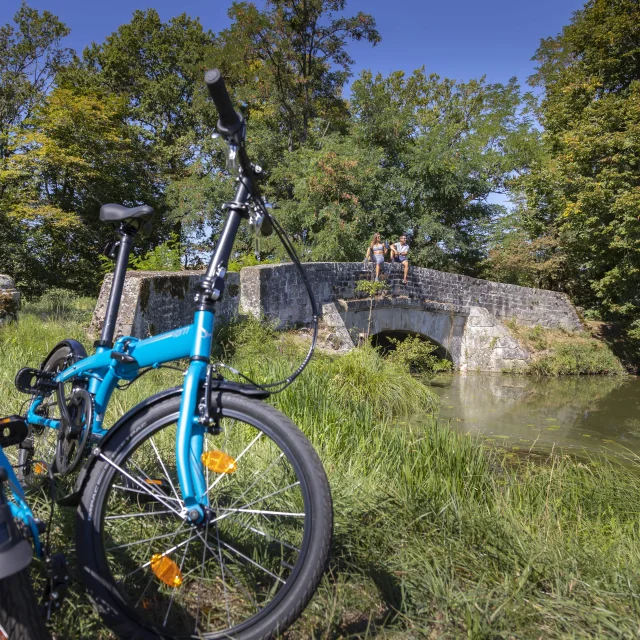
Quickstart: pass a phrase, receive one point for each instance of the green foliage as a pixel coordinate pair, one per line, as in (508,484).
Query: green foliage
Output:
(293,62)
(61,305)
(417,356)
(516,258)
(248,260)
(249,334)
(371,287)
(580,358)
(556,352)
(75,152)
(129,121)
(165,257)
(446,146)
(383,385)
(584,191)
(157,67)
(30,56)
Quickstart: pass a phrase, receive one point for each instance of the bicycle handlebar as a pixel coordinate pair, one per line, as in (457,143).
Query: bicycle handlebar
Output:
(230,120)
(229,124)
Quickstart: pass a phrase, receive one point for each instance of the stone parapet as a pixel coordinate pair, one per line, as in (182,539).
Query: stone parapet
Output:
(278,292)
(9,300)
(158,301)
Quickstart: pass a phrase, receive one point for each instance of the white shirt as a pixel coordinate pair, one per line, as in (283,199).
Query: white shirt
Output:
(402,249)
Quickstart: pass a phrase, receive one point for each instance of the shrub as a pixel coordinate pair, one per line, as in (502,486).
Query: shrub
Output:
(165,257)
(370,287)
(585,357)
(416,356)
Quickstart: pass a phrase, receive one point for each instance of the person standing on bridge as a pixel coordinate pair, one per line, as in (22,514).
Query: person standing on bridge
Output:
(376,252)
(399,252)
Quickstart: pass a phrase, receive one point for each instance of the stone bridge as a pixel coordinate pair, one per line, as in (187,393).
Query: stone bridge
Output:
(464,316)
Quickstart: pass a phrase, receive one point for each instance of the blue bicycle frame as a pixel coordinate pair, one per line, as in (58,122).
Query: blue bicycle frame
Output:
(103,372)
(17,503)
(124,359)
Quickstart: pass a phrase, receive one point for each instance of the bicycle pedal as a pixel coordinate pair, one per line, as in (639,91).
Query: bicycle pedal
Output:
(34,381)
(13,430)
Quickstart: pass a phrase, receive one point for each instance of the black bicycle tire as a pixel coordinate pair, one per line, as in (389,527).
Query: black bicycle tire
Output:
(93,566)
(20,616)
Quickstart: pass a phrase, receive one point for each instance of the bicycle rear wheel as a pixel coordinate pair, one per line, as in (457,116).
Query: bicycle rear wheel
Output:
(248,571)
(37,455)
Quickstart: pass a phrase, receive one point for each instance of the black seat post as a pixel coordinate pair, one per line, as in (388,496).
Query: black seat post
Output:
(111,316)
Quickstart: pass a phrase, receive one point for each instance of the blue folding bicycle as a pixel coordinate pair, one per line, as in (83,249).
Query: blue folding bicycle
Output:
(203,512)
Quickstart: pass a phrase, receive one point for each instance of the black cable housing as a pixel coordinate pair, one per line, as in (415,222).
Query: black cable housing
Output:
(281,385)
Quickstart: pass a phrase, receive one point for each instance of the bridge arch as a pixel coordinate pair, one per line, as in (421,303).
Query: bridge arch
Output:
(444,325)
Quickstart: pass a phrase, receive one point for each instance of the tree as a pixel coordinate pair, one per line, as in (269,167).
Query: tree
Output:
(516,258)
(585,191)
(334,208)
(293,55)
(158,67)
(75,153)
(446,147)
(30,56)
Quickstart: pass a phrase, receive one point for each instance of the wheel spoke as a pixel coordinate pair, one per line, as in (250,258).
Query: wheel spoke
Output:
(247,448)
(224,582)
(136,542)
(166,473)
(140,484)
(173,592)
(137,515)
(255,482)
(226,570)
(144,493)
(267,513)
(253,562)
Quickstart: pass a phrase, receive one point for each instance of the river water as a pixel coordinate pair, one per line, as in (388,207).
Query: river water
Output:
(579,414)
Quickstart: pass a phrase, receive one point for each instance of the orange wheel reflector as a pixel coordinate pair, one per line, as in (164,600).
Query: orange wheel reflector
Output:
(39,469)
(166,570)
(219,462)
(150,481)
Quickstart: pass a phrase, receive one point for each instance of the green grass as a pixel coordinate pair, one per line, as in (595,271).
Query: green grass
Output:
(436,536)
(558,352)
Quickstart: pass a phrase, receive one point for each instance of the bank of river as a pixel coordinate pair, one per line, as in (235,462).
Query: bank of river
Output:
(591,414)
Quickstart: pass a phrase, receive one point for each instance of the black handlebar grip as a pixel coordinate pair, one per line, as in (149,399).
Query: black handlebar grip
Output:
(266,229)
(230,121)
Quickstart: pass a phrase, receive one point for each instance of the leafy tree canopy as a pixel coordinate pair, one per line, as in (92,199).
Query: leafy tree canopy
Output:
(584,191)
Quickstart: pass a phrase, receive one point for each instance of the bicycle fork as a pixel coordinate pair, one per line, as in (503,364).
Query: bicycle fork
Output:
(190,431)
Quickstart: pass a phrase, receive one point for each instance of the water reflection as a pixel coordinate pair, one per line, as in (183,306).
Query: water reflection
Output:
(594,414)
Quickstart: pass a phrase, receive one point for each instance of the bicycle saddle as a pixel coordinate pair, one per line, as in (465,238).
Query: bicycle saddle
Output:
(117,213)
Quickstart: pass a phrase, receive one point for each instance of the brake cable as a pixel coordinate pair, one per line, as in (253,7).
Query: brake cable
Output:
(281,385)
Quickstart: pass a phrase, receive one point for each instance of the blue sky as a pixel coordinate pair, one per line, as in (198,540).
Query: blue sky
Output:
(460,39)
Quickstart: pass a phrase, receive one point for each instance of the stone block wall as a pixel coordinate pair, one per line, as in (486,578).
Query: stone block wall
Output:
(9,300)
(157,301)
(465,315)
(278,292)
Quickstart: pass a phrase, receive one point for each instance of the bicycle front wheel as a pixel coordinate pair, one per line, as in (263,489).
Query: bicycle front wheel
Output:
(20,617)
(248,571)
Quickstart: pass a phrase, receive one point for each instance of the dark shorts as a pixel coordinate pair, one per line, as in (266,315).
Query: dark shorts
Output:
(400,258)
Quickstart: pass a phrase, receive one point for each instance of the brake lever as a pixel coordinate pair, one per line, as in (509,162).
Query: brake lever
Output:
(232,154)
